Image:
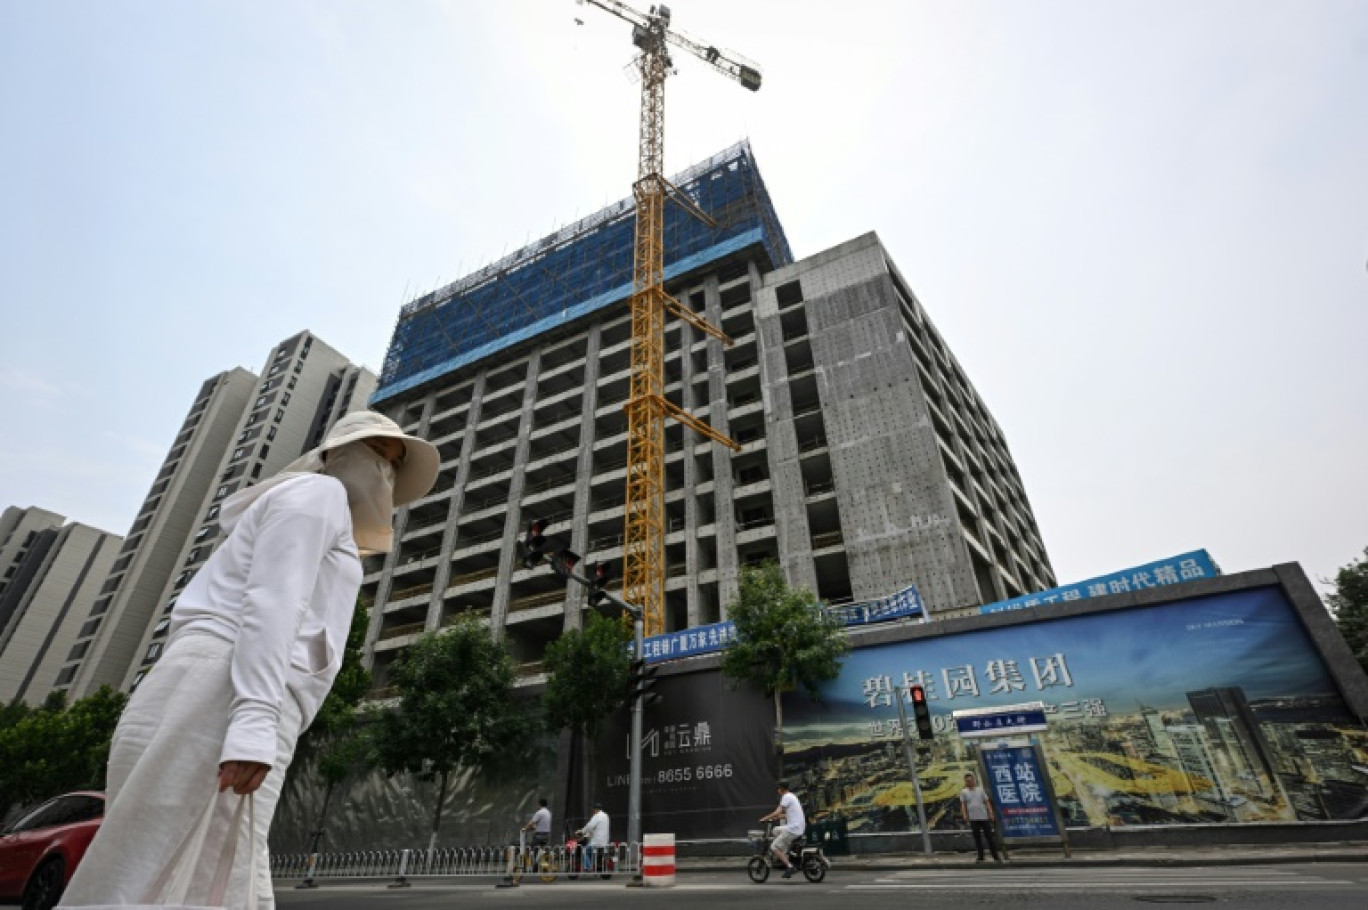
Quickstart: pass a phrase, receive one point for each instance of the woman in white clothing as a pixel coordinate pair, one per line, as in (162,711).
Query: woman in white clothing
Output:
(256,641)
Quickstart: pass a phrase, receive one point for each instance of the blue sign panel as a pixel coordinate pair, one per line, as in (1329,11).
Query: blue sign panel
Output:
(1030,720)
(1172,571)
(689,643)
(1017,788)
(715,637)
(906,602)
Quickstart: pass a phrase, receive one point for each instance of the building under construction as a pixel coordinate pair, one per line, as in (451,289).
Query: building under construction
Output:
(867,464)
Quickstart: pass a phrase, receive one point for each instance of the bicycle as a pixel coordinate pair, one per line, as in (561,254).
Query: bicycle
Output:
(534,861)
(810,860)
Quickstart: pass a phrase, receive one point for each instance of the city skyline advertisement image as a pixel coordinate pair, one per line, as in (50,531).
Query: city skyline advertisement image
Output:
(1212,709)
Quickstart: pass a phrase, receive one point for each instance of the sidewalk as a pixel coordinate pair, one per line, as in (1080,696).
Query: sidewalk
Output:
(1047,857)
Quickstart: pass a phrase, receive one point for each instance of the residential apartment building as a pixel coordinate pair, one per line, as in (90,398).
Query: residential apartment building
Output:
(49,567)
(241,428)
(867,462)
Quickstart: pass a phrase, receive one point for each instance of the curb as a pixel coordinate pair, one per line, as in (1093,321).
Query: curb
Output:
(1339,854)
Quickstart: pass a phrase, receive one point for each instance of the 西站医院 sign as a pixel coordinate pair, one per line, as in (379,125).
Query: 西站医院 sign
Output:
(1018,789)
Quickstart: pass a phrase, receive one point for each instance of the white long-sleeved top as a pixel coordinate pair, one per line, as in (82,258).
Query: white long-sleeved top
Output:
(282,588)
(596,829)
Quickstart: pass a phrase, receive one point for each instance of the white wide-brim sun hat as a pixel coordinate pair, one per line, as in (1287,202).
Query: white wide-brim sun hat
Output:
(413,476)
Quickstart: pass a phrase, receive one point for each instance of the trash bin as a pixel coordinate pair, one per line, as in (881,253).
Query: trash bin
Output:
(835,843)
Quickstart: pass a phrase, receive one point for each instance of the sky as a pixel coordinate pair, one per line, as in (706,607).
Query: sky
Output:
(1141,227)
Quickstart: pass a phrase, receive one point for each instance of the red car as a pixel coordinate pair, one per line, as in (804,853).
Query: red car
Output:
(39,852)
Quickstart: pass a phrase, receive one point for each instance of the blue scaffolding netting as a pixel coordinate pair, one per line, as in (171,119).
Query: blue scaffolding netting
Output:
(577,270)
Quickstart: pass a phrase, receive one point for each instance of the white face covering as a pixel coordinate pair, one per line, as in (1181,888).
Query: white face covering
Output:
(369,480)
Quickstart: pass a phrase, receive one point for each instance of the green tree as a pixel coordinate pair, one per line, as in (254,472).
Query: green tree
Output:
(54,749)
(587,674)
(457,709)
(785,638)
(336,741)
(1349,604)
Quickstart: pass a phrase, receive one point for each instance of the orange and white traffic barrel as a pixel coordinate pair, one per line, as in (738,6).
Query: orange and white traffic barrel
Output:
(658,860)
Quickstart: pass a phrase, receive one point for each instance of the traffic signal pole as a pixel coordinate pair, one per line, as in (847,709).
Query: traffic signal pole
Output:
(563,563)
(912,767)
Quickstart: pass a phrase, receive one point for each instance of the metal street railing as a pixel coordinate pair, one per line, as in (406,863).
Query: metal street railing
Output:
(508,863)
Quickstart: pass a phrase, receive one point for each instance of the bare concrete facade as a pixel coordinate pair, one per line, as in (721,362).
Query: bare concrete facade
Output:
(868,462)
(59,567)
(242,427)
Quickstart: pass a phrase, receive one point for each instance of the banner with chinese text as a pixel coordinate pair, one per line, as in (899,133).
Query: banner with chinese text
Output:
(1210,709)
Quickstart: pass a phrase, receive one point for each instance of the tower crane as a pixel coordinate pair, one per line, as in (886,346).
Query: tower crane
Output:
(643,552)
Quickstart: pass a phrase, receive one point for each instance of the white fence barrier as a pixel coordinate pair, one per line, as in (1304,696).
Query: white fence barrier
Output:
(512,862)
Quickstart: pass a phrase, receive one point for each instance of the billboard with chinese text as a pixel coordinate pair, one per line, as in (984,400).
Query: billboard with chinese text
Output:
(1209,709)
(708,762)
(1172,571)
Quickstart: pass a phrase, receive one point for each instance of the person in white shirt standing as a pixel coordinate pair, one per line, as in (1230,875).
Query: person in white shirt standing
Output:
(791,811)
(256,640)
(596,831)
(978,810)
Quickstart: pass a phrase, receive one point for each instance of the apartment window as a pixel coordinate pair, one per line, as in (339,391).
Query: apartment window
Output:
(789,294)
(203,533)
(193,557)
(238,453)
(212,513)
(265,450)
(284,399)
(304,351)
(79,650)
(161,628)
(275,369)
(243,436)
(270,433)
(153,651)
(280,415)
(260,401)
(183,578)
(90,628)
(299,366)
(256,471)
(221,492)
(137,680)
(66,676)
(291,384)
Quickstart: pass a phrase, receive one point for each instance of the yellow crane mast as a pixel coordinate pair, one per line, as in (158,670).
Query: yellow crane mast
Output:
(643,552)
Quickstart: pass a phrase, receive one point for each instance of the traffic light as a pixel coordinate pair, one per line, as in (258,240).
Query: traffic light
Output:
(922,712)
(598,584)
(564,562)
(640,681)
(534,546)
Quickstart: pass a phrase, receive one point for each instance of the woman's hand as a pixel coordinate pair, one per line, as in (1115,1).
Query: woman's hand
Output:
(242,776)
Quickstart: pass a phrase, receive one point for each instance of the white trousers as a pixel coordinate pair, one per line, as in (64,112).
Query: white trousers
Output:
(163,769)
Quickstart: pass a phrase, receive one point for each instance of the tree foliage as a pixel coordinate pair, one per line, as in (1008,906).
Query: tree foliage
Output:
(457,709)
(587,671)
(1349,603)
(53,749)
(784,639)
(335,738)
(587,676)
